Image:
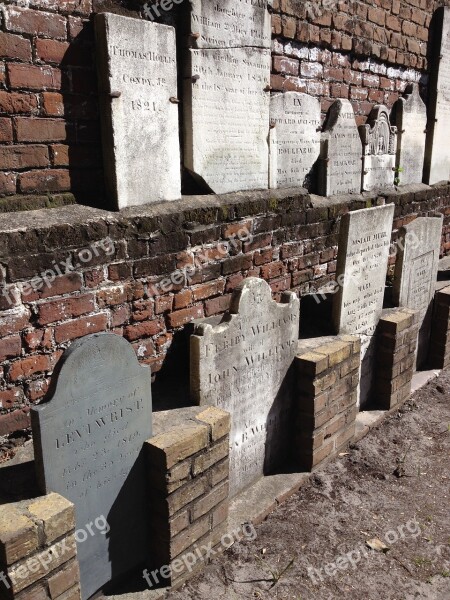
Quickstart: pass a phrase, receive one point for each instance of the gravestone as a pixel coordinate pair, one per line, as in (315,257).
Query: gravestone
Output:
(379,140)
(340,162)
(88,443)
(241,365)
(226,118)
(294,139)
(138,92)
(410,114)
(437,155)
(229,24)
(416,269)
(364,242)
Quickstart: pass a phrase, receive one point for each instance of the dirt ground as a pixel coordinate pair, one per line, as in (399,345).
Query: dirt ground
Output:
(393,485)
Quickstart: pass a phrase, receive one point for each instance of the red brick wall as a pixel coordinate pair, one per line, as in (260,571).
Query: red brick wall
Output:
(293,246)
(366,51)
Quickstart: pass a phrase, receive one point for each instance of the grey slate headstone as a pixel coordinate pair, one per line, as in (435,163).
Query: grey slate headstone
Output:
(379,138)
(437,155)
(294,140)
(241,365)
(364,243)
(340,162)
(88,443)
(411,121)
(416,269)
(137,71)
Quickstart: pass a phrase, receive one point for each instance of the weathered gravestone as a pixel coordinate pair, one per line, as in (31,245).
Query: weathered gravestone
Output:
(437,155)
(340,162)
(410,116)
(229,24)
(226,118)
(364,242)
(138,89)
(379,140)
(294,139)
(88,443)
(241,365)
(227,94)
(416,269)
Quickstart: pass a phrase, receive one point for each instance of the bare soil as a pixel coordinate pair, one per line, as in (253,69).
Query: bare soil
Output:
(393,485)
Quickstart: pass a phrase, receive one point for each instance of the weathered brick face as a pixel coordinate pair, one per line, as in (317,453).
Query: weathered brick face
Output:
(366,51)
(159,272)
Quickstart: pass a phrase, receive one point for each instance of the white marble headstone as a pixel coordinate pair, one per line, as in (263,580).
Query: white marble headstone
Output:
(137,71)
(230,23)
(437,156)
(379,140)
(227,118)
(241,365)
(295,139)
(411,121)
(340,164)
(416,269)
(364,242)
(88,442)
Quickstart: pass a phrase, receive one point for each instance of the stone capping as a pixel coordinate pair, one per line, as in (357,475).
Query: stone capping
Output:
(38,550)
(327,375)
(188,478)
(202,210)
(396,345)
(439,357)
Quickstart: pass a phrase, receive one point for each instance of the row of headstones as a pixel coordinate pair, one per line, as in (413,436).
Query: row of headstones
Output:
(228,110)
(89,437)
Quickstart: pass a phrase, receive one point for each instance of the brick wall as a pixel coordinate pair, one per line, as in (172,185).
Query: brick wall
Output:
(188,472)
(293,246)
(50,144)
(440,331)
(38,550)
(395,357)
(327,377)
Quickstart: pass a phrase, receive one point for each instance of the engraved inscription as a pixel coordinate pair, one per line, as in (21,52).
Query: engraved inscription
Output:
(242,368)
(420,283)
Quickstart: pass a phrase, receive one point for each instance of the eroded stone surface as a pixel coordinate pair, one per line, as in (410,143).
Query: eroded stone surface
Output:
(138,77)
(411,121)
(241,365)
(364,242)
(379,140)
(230,23)
(88,447)
(227,118)
(416,270)
(437,156)
(295,139)
(341,153)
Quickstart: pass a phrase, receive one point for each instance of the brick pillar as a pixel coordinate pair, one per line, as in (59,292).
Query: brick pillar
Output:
(189,471)
(440,331)
(327,376)
(38,556)
(396,348)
